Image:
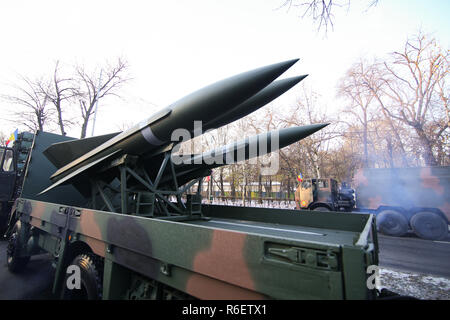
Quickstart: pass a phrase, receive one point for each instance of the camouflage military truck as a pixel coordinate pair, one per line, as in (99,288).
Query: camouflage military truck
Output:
(12,165)
(403,199)
(130,248)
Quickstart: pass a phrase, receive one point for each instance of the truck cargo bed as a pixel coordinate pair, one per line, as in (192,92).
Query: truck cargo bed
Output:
(305,225)
(229,253)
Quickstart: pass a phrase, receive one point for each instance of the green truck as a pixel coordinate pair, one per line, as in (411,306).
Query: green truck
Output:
(208,252)
(12,170)
(403,199)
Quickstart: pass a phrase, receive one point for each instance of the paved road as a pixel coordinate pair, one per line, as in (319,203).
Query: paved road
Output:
(416,255)
(408,254)
(35,283)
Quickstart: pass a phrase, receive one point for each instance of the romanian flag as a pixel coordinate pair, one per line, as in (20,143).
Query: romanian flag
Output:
(300,178)
(13,137)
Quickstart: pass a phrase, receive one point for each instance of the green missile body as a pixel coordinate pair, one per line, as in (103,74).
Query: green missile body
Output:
(192,167)
(204,105)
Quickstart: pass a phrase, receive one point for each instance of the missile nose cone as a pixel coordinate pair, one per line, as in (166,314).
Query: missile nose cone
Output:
(271,72)
(285,64)
(276,69)
(266,95)
(290,82)
(284,85)
(314,127)
(294,134)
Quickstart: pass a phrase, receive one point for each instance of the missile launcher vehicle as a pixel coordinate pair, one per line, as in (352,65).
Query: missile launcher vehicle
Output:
(119,209)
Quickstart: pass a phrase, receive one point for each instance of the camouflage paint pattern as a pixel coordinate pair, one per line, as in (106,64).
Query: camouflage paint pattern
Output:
(412,189)
(208,262)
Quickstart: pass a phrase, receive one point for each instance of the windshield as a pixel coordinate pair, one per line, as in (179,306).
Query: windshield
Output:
(8,161)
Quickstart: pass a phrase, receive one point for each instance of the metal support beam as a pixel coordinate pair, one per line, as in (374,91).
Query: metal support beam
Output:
(159,202)
(123,190)
(104,197)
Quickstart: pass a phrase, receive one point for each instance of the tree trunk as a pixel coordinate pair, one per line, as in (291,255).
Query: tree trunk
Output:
(427,154)
(390,151)
(60,120)
(366,153)
(289,188)
(233,186)
(84,129)
(260,187)
(222,191)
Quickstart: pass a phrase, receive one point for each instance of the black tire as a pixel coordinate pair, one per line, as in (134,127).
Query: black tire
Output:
(91,276)
(14,261)
(429,225)
(392,223)
(321,208)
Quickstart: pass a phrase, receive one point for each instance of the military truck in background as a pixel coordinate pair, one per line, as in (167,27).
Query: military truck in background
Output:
(12,168)
(323,195)
(210,252)
(403,199)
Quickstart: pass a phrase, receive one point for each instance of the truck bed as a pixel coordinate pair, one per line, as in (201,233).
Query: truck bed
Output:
(230,253)
(315,226)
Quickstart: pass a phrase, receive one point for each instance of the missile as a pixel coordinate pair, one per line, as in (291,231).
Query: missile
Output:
(266,95)
(212,101)
(63,153)
(206,104)
(190,167)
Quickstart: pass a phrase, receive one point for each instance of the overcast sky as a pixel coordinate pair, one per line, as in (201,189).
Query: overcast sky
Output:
(176,47)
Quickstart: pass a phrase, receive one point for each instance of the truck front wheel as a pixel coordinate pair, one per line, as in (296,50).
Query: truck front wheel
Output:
(392,223)
(15,262)
(429,225)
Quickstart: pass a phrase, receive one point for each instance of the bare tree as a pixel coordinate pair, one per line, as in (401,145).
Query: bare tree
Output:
(413,90)
(57,90)
(33,110)
(320,11)
(306,112)
(365,79)
(97,85)
(360,101)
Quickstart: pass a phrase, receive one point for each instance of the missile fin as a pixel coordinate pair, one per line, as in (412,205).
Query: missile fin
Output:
(116,139)
(62,153)
(78,172)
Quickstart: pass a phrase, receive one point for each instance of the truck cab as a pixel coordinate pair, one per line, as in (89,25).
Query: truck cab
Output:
(7,173)
(13,162)
(323,195)
(7,182)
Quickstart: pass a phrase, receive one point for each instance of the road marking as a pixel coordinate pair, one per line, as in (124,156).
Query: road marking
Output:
(442,242)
